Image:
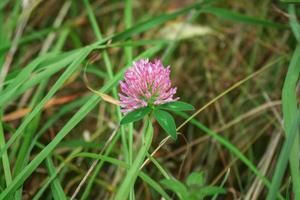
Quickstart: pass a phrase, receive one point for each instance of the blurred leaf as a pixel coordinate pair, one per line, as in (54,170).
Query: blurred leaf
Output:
(195,178)
(3,3)
(176,106)
(154,21)
(210,190)
(80,142)
(238,17)
(193,197)
(290,1)
(176,186)
(181,31)
(167,122)
(135,115)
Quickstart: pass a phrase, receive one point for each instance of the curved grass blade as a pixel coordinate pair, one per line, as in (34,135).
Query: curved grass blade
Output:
(238,17)
(21,83)
(21,78)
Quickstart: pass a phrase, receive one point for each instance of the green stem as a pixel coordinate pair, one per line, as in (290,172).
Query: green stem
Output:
(128,60)
(128,24)
(132,173)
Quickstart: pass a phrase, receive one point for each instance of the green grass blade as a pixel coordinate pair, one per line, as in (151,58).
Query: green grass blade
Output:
(5,160)
(63,111)
(294,22)
(159,166)
(131,175)
(24,153)
(98,168)
(283,158)
(289,102)
(128,59)
(128,24)
(54,175)
(289,106)
(20,79)
(92,19)
(56,188)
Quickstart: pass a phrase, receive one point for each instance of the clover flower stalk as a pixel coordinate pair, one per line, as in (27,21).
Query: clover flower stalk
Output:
(146,83)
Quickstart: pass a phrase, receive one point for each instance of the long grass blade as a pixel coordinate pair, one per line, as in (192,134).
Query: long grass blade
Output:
(283,158)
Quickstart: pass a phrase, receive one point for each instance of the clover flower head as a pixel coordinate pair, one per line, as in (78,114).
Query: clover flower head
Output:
(146,83)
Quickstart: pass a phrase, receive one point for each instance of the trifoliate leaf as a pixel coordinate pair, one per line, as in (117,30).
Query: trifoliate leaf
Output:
(176,106)
(166,121)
